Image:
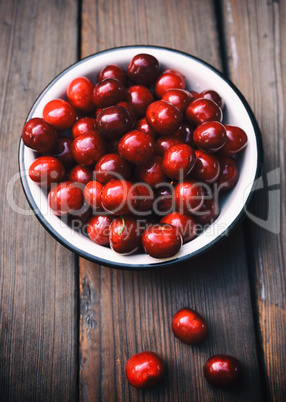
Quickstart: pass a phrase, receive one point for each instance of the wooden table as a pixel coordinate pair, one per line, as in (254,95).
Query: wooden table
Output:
(67,326)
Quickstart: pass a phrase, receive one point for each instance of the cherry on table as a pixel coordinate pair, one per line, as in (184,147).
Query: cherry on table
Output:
(98,229)
(161,240)
(112,166)
(144,370)
(164,117)
(60,114)
(79,94)
(136,147)
(39,135)
(143,69)
(223,370)
(47,170)
(178,161)
(189,326)
(202,110)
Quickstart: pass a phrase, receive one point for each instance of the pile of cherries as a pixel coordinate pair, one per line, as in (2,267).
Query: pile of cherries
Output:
(135,158)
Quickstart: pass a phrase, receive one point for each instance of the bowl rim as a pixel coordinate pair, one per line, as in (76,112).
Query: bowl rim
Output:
(161,264)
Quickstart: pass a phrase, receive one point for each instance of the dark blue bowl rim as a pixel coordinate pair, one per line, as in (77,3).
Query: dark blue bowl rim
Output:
(155,265)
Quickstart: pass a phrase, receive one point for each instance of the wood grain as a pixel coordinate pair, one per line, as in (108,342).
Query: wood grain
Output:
(38,277)
(122,313)
(256,38)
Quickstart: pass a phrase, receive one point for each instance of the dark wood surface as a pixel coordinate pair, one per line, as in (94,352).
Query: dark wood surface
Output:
(67,327)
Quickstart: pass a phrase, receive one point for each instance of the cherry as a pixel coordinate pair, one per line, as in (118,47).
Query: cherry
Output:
(195,94)
(178,97)
(207,167)
(143,69)
(113,122)
(88,148)
(212,95)
(119,197)
(112,71)
(210,136)
(202,110)
(184,223)
(142,125)
(108,92)
(46,170)
(228,173)
(80,174)
(189,196)
(163,117)
(111,166)
(178,161)
(189,326)
(161,240)
(79,94)
(145,198)
(236,140)
(136,147)
(78,219)
(63,151)
(168,80)
(98,229)
(65,197)
(185,133)
(223,371)
(140,98)
(176,72)
(60,114)
(151,172)
(39,135)
(83,125)
(92,194)
(208,212)
(165,142)
(144,370)
(124,235)
(164,202)
(128,106)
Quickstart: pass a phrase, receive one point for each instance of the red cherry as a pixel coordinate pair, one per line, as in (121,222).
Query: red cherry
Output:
(119,197)
(189,196)
(145,198)
(80,174)
(208,212)
(210,136)
(164,202)
(165,142)
(207,167)
(78,219)
(128,106)
(185,133)
(236,140)
(144,370)
(161,240)
(108,92)
(39,135)
(140,98)
(65,197)
(88,148)
(124,235)
(112,71)
(143,69)
(184,223)
(223,371)
(151,172)
(63,151)
(176,72)
(195,94)
(113,122)
(178,97)
(111,166)
(168,80)
(60,114)
(47,170)
(142,125)
(189,326)
(136,147)
(98,229)
(228,173)
(92,194)
(202,110)
(178,161)
(83,125)
(164,117)
(79,94)
(212,95)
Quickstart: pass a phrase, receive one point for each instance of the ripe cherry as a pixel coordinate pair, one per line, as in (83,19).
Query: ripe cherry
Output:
(184,223)
(168,80)
(208,212)
(144,370)
(189,326)
(47,170)
(223,371)
(83,125)
(178,161)
(63,151)
(142,125)
(164,201)
(136,147)
(98,229)
(80,174)
(112,71)
(164,117)
(151,172)
(65,197)
(128,106)
(88,148)
(111,166)
(143,69)
(228,173)
(119,197)
(60,114)
(210,136)
(108,92)
(178,97)
(161,240)
(185,133)
(79,94)
(236,140)
(140,98)
(124,235)
(145,198)
(39,135)
(189,196)
(92,195)
(165,142)
(113,122)
(212,95)
(202,110)
(207,167)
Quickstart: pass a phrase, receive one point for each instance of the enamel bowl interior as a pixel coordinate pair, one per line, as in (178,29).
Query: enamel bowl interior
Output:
(199,76)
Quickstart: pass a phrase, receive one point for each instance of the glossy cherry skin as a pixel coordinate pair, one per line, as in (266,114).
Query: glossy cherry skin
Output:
(207,167)
(202,110)
(124,235)
(167,81)
(164,117)
(184,223)
(98,229)
(145,198)
(189,326)
(39,135)
(165,142)
(210,136)
(83,125)
(60,114)
(185,133)
(228,173)
(195,94)
(178,161)
(164,201)
(88,148)
(113,122)
(79,94)
(212,95)
(223,371)
(144,370)
(236,140)
(111,166)
(65,197)
(80,174)
(112,71)
(92,194)
(208,212)
(142,125)
(136,147)
(128,106)
(47,170)
(118,197)
(178,97)
(176,72)
(151,172)
(161,240)
(143,69)
(140,98)
(108,92)
(63,151)
(189,196)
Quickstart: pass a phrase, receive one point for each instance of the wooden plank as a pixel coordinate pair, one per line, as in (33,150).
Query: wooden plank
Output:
(256,44)
(38,277)
(122,313)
